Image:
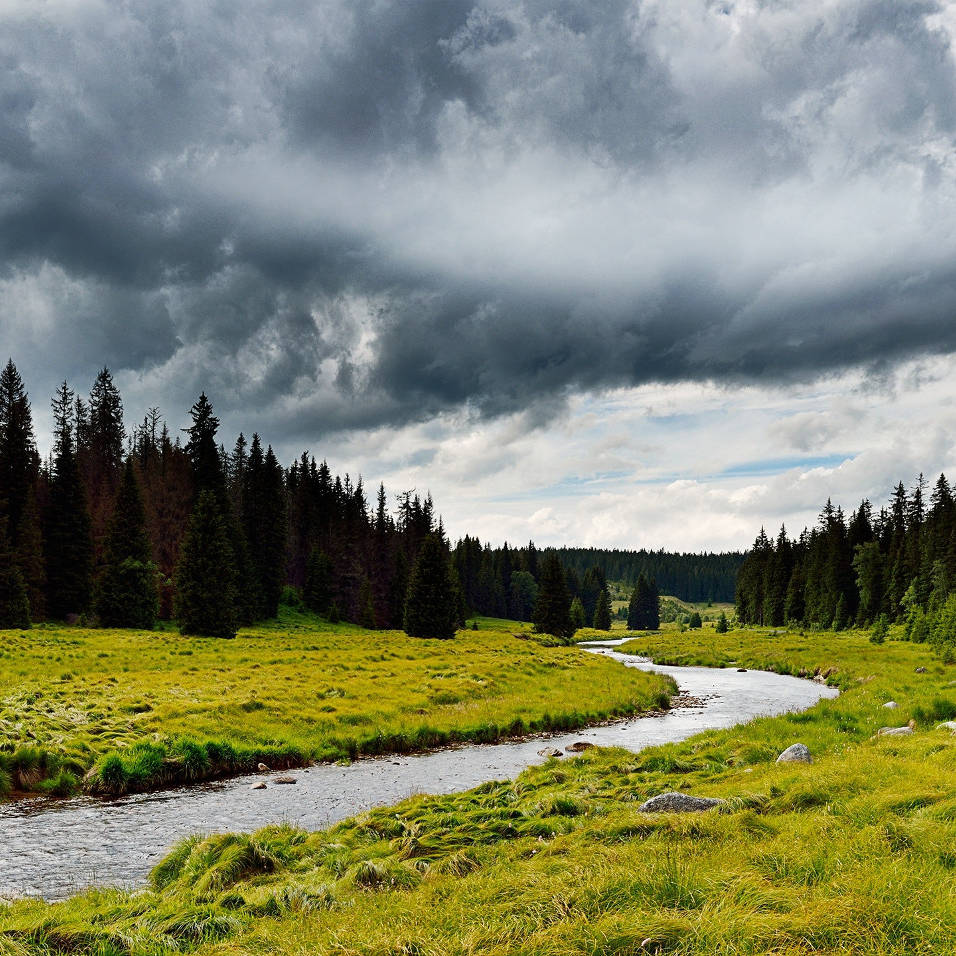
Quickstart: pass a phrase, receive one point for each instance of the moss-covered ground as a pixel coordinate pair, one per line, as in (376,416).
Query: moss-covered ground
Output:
(854,853)
(136,710)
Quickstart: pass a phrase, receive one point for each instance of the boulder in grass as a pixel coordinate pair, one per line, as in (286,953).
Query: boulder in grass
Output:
(891,705)
(949,725)
(920,670)
(796,753)
(578,747)
(674,802)
(894,731)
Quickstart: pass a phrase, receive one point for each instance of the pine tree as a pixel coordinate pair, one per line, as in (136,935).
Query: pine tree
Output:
(552,611)
(68,545)
(602,612)
(205,582)
(430,608)
(318,582)
(577,614)
(19,462)
(29,557)
(14,603)
(126,594)
(643,612)
(722,625)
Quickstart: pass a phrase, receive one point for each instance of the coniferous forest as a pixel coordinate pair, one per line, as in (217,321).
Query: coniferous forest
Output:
(125,526)
(871,568)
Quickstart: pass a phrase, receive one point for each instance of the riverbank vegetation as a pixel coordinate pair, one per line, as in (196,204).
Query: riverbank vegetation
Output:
(849,854)
(135,710)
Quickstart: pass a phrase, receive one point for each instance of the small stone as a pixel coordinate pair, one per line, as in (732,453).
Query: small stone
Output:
(262,768)
(674,802)
(920,670)
(796,753)
(578,746)
(284,780)
(894,731)
(550,752)
(258,786)
(891,705)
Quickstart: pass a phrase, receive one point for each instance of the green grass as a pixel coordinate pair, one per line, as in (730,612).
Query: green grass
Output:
(852,854)
(135,710)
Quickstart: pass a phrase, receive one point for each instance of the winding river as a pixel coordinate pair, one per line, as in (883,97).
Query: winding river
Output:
(54,848)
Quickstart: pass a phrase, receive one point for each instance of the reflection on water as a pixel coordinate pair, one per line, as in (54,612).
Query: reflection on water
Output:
(52,849)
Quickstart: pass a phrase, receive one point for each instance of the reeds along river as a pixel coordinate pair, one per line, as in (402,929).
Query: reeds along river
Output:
(52,849)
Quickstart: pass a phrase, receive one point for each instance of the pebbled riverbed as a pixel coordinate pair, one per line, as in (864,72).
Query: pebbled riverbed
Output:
(54,848)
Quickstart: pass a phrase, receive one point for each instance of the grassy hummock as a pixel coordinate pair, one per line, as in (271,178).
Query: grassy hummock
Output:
(118,711)
(850,854)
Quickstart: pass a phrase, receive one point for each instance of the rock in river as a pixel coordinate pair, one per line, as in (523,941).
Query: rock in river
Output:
(578,746)
(258,786)
(674,802)
(550,752)
(796,753)
(284,780)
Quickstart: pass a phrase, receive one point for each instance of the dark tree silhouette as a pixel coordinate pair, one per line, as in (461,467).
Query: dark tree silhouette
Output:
(431,605)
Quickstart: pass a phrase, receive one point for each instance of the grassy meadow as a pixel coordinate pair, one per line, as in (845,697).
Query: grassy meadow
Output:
(136,710)
(854,853)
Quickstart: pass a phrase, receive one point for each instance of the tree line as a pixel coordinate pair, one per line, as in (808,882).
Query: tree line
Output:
(895,565)
(133,525)
(127,526)
(690,577)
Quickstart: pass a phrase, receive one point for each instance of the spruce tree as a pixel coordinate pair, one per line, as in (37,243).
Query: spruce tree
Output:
(602,612)
(318,582)
(29,557)
(722,625)
(552,610)
(643,612)
(68,545)
(14,603)
(694,622)
(431,605)
(205,581)
(126,594)
(19,462)
(577,614)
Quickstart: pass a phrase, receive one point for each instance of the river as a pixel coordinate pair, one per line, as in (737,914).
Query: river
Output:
(53,848)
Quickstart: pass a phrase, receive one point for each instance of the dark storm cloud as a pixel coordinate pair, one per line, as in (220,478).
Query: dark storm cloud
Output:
(347,214)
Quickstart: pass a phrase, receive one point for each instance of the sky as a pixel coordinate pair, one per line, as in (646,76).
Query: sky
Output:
(628,274)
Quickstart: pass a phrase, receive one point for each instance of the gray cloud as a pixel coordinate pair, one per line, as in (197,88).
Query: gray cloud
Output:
(352,214)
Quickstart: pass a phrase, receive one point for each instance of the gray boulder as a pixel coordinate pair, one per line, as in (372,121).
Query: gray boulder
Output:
(891,705)
(921,670)
(894,731)
(674,802)
(796,753)
(947,725)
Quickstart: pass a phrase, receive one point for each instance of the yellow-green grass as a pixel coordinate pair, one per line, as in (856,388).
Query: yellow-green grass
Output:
(855,853)
(134,710)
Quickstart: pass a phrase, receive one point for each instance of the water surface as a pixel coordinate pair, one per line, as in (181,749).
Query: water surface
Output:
(55,848)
